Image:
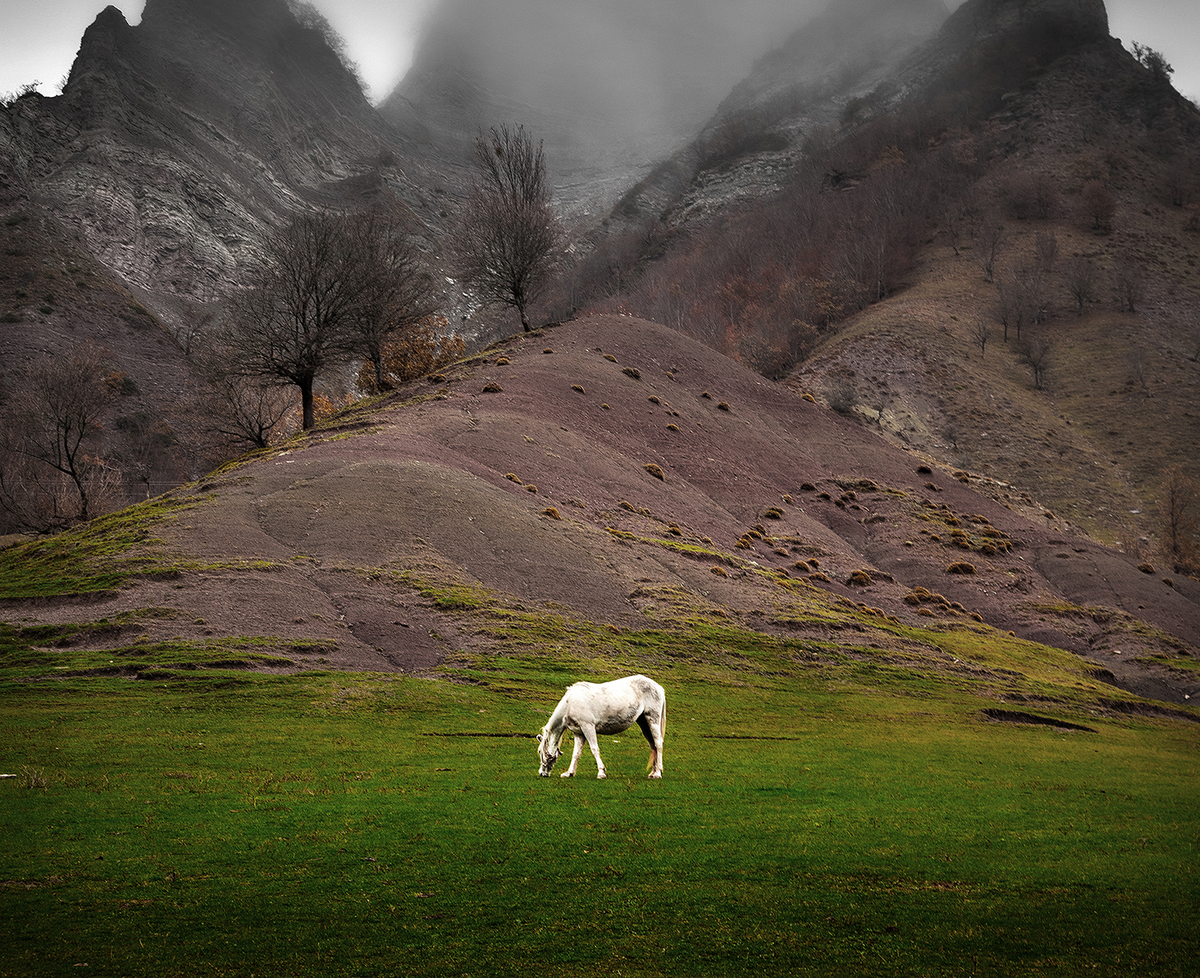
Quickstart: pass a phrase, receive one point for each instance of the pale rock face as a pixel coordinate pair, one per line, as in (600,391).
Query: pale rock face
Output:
(177,142)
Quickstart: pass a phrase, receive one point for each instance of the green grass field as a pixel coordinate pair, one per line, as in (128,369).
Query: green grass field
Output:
(846,821)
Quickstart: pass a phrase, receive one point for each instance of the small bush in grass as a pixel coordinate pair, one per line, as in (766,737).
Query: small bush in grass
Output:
(605,407)
(552,513)
(743,544)
(860,578)
(774,513)
(655,470)
(808,397)
(807,487)
(493,388)
(578,389)
(513,477)
(610,358)
(960,567)
(1146,568)
(626,504)
(924,470)
(724,406)
(531,488)
(1169,582)
(502,361)
(437,378)
(818,576)
(719,571)
(672,427)
(632,372)
(788,499)
(674,530)
(653,399)
(547,350)
(706,395)
(913,599)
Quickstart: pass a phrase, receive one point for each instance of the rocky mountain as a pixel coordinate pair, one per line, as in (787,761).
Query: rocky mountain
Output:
(176,141)
(140,195)
(909,472)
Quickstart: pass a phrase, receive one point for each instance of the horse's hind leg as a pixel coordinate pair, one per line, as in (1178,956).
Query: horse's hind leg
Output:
(652,731)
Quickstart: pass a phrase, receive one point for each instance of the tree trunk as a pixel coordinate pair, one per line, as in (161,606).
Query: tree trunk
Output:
(306,400)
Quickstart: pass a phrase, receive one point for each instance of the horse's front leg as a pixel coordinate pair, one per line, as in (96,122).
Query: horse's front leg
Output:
(576,753)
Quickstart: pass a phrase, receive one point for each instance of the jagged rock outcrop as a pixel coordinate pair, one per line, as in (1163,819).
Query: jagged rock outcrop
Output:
(176,141)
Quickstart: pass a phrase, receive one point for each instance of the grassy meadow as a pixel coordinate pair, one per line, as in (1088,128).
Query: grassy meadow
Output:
(832,817)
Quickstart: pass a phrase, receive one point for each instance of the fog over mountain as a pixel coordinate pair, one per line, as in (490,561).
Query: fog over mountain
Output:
(647,64)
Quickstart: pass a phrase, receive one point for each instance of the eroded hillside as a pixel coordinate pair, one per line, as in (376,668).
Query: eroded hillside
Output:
(614,472)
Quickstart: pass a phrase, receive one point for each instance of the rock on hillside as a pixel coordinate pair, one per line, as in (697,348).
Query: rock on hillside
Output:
(614,470)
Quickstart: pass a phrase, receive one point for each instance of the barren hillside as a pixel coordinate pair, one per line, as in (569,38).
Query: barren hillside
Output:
(615,472)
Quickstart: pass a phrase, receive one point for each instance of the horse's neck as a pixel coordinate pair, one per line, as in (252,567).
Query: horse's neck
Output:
(556,726)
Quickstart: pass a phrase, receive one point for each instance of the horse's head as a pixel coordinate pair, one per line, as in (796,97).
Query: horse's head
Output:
(548,753)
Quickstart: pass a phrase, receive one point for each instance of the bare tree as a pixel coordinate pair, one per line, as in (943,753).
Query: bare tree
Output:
(1129,281)
(399,291)
(331,287)
(1036,352)
(235,409)
(1080,275)
(1178,498)
(508,236)
(1099,206)
(51,471)
(991,236)
(1047,250)
(981,332)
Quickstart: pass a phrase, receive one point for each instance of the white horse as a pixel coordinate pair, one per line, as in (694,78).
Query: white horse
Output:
(588,709)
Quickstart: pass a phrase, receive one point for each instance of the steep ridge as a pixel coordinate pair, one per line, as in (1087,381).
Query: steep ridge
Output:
(613,470)
(176,141)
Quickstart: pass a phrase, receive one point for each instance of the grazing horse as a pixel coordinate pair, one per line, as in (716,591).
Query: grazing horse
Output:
(588,709)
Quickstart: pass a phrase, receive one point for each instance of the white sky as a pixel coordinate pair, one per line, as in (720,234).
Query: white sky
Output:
(39,38)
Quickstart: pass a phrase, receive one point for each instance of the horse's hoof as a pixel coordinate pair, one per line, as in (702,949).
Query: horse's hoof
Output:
(656,775)
(567,774)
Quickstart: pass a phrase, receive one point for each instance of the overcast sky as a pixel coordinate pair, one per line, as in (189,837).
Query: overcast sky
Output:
(39,38)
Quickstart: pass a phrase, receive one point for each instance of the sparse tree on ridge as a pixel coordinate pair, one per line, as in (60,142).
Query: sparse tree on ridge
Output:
(400,294)
(508,236)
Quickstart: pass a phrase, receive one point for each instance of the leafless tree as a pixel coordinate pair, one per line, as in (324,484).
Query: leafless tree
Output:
(1129,281)
(1047,250)
(237,411)
(982,332)
(1021,298)
(1099,206)
(991,236)
(1136,362)
(1080,275)
(331,287)
(1178,500)
(52,472)
(1036,352)
(399,291)
(508,237)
